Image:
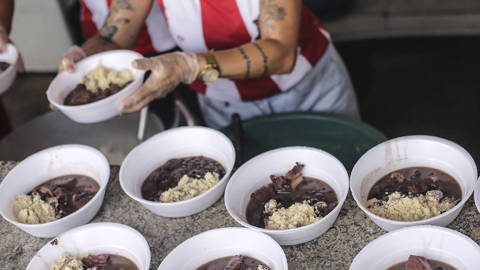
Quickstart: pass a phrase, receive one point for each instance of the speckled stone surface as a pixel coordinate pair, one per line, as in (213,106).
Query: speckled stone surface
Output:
(333,250)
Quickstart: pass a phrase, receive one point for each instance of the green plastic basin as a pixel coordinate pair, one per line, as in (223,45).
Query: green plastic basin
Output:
(344,138)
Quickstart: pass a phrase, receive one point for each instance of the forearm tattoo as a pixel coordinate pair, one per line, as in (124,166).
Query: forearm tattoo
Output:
(247,59)
(265,59)
(122,5)
(110,28)
(270,12)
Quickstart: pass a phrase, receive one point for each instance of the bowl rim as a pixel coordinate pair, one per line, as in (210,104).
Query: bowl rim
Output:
(184,202)
(103,225)
(103,100)
(266,236)
(427,220)
(476,195)
(415,228)
(78,211)
(294,230)
(13,64)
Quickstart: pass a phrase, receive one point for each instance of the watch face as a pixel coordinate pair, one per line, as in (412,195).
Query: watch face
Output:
(210,75)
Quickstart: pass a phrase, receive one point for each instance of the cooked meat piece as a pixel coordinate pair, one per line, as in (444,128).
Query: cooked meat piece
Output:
(295,171)
(263,194)
(235,263)
(414,190)
(44,191)
(417,263)
(281,184)
(290,181)
(80,95)
(95,260)
(398,176)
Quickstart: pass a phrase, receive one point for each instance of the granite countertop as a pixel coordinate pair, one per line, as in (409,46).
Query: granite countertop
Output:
(333,250)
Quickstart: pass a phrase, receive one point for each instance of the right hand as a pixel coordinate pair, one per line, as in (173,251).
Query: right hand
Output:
(70,58)
(168,71)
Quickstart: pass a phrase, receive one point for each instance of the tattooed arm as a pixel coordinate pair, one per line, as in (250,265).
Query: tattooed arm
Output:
(274,52)
(121,28)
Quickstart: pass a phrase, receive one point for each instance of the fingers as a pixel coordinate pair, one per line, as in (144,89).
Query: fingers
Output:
(67,64)
(72,56)
(167,72)
(136,102)
(140,98)
(148,92)
(144,64)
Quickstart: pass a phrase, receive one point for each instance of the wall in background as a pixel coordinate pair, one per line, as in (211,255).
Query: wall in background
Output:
(40,33)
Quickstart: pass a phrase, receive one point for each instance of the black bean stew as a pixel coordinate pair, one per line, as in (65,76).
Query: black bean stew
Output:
(169,174)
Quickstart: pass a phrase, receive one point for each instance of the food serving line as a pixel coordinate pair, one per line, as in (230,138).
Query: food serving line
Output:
(187,230)
(333,250)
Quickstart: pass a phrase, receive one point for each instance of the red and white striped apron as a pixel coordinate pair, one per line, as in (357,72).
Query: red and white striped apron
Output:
(154,36)
(201,25)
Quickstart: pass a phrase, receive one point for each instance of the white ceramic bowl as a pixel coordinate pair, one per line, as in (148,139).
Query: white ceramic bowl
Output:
(177,143)
(218,243)
(434,243)
(45,165)
(256,172)
(95,238)
(413,151)
(8,76)
(103,109)
(476,195)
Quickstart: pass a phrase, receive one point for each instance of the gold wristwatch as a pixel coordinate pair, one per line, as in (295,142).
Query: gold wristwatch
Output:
(210,71)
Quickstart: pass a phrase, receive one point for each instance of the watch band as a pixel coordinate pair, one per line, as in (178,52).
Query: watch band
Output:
(210,65)
(212,61)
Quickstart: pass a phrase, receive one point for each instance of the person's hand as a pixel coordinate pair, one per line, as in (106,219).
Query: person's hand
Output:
(168,71)
(70,58)
(4,40)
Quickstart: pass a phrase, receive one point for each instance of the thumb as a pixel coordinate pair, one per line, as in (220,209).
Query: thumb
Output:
(66,63)
(144,64)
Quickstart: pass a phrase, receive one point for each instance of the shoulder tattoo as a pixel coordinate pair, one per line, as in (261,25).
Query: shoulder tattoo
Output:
(270,12)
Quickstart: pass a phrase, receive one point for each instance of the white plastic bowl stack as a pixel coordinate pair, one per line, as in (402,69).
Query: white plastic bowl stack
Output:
(413,151)
(92,239)
(256,172)
(45,165)
(10,55)
(105,108)
(434,243)
(218,243)
(177,143)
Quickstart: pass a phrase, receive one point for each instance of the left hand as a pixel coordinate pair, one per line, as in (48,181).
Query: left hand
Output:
(4,40)
(168,71)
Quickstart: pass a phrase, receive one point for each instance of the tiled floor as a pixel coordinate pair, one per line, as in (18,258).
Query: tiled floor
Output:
(405,86)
